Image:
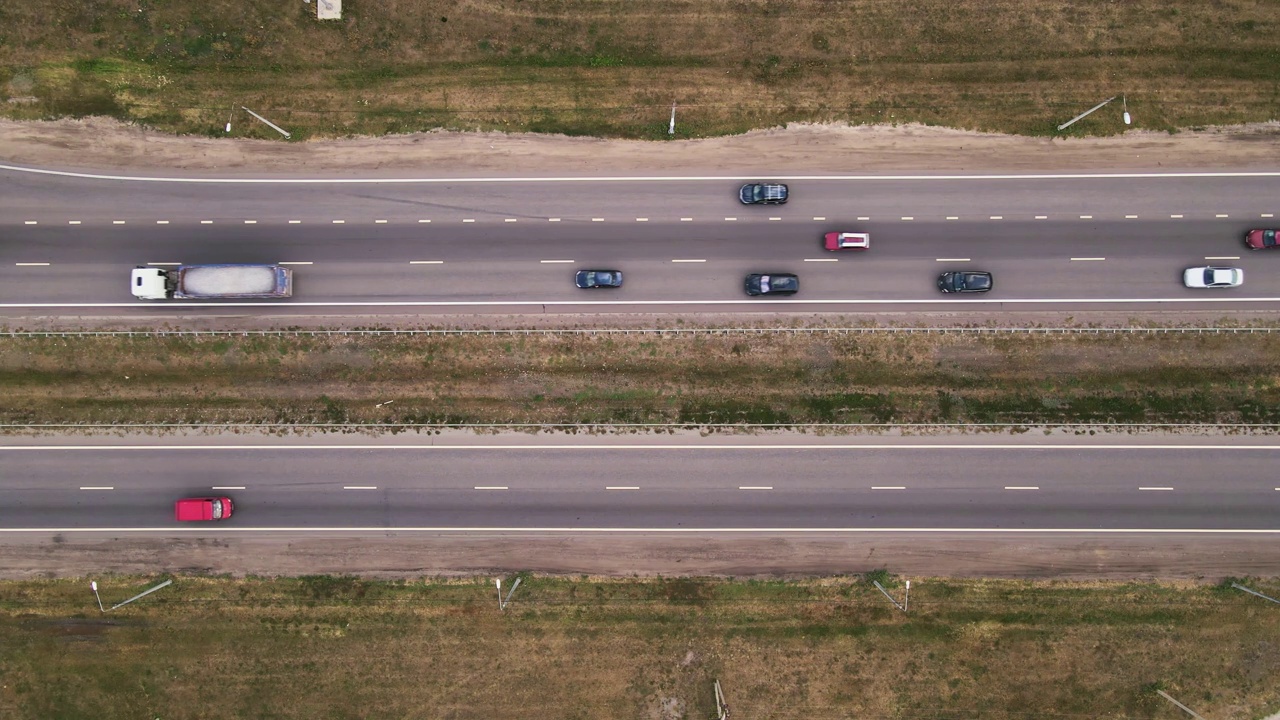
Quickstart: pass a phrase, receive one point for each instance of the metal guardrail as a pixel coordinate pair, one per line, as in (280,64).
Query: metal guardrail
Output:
(663,331)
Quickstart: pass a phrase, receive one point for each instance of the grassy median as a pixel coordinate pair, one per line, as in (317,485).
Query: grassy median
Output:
(771,379)
(330,647)
(613,67)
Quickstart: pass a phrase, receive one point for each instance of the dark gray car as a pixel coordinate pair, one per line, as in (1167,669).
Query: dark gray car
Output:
(772,284)
(964,281)
(763,194)
(588,279)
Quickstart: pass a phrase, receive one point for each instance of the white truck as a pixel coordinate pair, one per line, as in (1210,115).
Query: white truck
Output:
(212,282)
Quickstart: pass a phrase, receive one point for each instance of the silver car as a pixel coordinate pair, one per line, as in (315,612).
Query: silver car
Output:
(1212,277)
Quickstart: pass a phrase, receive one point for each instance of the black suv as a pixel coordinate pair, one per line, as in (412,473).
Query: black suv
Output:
(966,281)
(772,284)
(763,194)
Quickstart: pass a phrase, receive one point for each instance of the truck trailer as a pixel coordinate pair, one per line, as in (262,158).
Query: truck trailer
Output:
(212,282)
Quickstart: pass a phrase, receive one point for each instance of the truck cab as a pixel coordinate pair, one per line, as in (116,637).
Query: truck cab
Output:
(149,283)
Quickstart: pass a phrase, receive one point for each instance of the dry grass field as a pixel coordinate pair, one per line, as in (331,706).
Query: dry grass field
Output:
(695,380)
(614,67)
(332,647)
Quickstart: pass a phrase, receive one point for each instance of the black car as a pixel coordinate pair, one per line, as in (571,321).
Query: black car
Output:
(763,194)
(964,281)
(772,284)
(598,279)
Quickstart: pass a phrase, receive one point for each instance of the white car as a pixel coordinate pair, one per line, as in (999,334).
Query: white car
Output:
(1212,277)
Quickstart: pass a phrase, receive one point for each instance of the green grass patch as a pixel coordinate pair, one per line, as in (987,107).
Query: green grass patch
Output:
(613,67)
(583,648)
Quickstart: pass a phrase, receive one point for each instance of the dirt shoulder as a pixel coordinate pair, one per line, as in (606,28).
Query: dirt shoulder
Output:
(104,144)
(760,556)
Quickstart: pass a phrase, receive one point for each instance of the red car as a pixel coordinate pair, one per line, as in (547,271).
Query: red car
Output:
(1260,239)
(847,241)
(198,509)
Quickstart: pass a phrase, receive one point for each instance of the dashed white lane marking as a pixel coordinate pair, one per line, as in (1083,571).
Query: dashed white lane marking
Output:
(733,219)
(30,222)
(908,217)
(227,487)
(1267,215)
(359,487)
(953,217)
(755,487)
(510,219)
(1130,217)
(206,222)
(554,262)
(642,219)
(426,262)
(1221,215)
(822,260)
(162,222)
(1087,259)
(97,487)
(1086,217)
(1221,257)
(621,487)
(689,260)
(1042,217)
(335,222)
(174,264)
(771,219)
(686,219)
(864,218)
(423,220)
(117,222)
(490,487)
(31,264)
(888,487)
(295,222)
(951,260)
(255,222)
(1155,488)
(468,220)
(1021,487)
(553,219)
(819,218)
(1175,217)
(597,219)
(379,222)
(295,262)
(73,222)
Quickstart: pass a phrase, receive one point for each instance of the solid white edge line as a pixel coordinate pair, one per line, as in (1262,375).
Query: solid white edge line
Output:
(1155,488)
(682,303)
(634,178)
(708,531)
(97,487)
(785,446)
(1021,487)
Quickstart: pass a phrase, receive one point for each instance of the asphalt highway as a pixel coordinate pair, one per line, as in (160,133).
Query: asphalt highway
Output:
(511,245)
(683,485)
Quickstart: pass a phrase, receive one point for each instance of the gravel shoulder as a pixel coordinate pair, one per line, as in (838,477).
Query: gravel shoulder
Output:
(105,145)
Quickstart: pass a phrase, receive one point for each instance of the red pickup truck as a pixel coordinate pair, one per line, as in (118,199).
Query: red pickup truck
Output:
(206,508)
